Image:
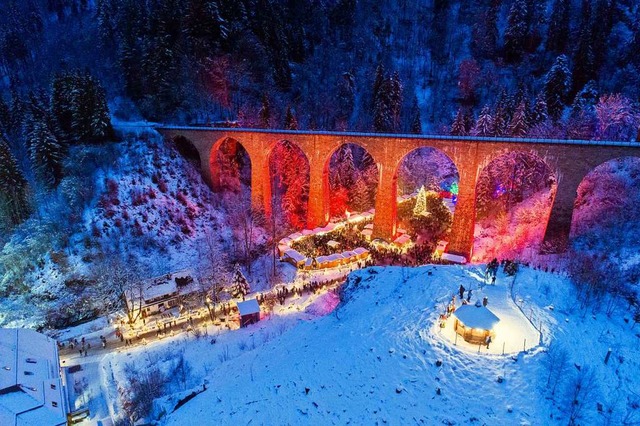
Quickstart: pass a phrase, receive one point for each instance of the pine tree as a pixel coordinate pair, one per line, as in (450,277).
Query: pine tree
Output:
(516,33)
(519,126)
(346,100)
(485,34)
(586,99)
(416,120)
(539,112)
(13,187)
(46,153)
(558,32)
(346,169)
(395,100)
(5,116)
(359,195)
(420,208)
(484,125)
(265,113)
(584,67)
(556,87)
(458,127)
(500,121)
(290,122)
(239,285)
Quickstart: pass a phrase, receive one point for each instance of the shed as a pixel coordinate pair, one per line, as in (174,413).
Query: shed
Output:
(294,257)
(333,244)
(249,312)
(474,323)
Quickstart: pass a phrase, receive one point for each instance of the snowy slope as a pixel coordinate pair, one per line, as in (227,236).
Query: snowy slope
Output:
(374,360)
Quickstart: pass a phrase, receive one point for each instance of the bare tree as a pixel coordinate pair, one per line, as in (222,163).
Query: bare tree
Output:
(579,392)
(121,284)
(245,222)
(557,363)
(213,272)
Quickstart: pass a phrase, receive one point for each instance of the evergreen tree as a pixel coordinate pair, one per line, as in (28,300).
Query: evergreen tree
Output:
(420,209)
(539,112)
(395,90)
(484,37)
(46,153)
(5,116)
(346,100)
(484,125)
(586,99)
(290,122)
(584,66)
(416,120)
(516,33)
(500,122)
(377,85)
(519,126)
(13,187)
(558,32)
(346,169)
(556,87)
(359,195)
(239,284)
(458,127)
(265,113)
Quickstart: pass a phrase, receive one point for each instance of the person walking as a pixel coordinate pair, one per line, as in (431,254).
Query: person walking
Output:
(488,341)
(461,291)
(485,301)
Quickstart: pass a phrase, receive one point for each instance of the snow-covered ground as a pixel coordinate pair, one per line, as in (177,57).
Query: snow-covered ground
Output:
(380,358)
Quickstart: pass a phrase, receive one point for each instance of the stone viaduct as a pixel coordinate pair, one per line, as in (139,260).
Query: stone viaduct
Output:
(570,160)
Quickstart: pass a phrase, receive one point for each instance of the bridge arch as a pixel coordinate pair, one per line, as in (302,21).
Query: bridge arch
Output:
(286,194)
(230,168)
(350,179)
(606,198)
(434,170)
(516,187)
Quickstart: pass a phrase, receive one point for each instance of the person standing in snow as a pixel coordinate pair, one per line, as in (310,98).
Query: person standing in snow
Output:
(469,296)
(461,291)
(485,301)
(487,341)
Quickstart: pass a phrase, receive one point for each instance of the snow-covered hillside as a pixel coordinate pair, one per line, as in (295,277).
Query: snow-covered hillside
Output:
(137,200)
(381,359)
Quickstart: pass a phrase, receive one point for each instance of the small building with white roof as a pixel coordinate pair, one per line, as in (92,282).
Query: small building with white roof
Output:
(249,312)
(475,323)
(31,388)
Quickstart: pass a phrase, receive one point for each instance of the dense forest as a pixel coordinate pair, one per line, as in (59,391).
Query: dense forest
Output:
(554,68)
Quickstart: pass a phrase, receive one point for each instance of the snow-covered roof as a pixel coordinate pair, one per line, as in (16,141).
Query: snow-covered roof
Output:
(402,239)
(361,250)
(307,232)
(295,236)
(368,226)
(333,244)
(367,232)
(454,258)
(295,255)
(29,365)
(164,288)
(442,244)
(249,307)
(476,317)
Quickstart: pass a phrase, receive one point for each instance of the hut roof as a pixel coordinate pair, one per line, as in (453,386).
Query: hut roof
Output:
(476,317)
(248,307)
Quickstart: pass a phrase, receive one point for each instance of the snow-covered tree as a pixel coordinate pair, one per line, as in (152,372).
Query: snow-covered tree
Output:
(556,86)
(458,127)
(13,187)
(46,153)
(265,113)
(558,30)
(618,119)
(239,284)
(519,125)
(484,125)
(516,33)
(539,111)
(290,122)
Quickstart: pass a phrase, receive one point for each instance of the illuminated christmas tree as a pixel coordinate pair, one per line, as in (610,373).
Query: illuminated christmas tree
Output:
(421,203)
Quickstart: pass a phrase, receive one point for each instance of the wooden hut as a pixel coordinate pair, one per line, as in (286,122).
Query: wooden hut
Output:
(249,312)
(474,323)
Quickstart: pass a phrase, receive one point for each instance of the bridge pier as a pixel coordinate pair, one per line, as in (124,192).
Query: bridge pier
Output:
(556,236)
(318,207)
(384,220)
(464,217)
